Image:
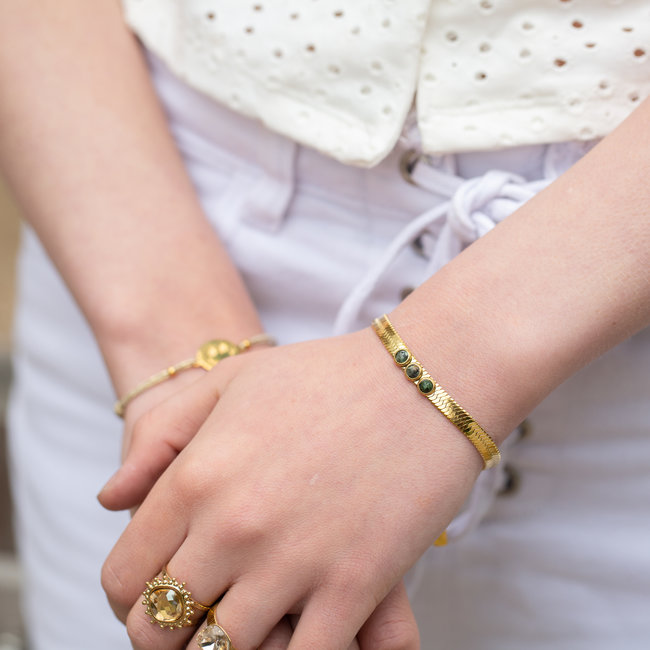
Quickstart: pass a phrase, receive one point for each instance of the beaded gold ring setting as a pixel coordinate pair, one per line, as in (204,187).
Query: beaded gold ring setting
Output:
(169,604)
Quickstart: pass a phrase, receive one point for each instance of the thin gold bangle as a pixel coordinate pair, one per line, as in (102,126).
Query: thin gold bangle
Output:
(207,357)
(431,389)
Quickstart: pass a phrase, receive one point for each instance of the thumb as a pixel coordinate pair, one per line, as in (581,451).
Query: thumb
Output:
(154,441)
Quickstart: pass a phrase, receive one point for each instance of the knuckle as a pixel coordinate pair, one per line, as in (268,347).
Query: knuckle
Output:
(113,585)
(182,423)
(186,484)
(356,575)
(145,425)
(146,634)
(352,581)
(247,525)
(396,634)
(143,633)
(272,645)
(194,479)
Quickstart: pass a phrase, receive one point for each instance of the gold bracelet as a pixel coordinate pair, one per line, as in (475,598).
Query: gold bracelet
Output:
(207,357)
(428,387)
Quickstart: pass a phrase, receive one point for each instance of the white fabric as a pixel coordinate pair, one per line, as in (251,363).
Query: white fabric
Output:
(341,76)
(563,562)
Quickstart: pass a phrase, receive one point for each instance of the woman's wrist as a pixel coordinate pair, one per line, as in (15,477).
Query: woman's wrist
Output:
(477,367)
(549,289)
(423,434)
(207,356)
(135,352)
(431,389)
(114,207)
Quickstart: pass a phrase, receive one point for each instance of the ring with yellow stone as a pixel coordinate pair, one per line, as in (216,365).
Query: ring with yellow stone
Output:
(169,604)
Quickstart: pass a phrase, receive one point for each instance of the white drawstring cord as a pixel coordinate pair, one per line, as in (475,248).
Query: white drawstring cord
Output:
(349,311)
(472,209)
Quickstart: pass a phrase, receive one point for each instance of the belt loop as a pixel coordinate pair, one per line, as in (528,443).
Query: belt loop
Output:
(270,194)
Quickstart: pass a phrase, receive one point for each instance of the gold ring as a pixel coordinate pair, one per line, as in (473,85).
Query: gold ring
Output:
(169,604)
(214,637)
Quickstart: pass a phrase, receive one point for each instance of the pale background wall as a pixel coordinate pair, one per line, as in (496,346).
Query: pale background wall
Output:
(10,625)
(8,242)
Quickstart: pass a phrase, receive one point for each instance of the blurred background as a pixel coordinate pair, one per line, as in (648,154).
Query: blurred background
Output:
(10,621)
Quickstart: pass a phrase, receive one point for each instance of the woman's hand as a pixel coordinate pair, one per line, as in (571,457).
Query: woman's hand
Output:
(317,480)
(148,451)
(391,626)
(149,448)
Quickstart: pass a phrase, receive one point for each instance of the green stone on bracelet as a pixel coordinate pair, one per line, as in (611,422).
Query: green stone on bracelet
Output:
(402,356)
(413,371)
(426,386)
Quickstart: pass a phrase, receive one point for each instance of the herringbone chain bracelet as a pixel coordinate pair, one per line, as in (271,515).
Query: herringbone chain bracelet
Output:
(427,386)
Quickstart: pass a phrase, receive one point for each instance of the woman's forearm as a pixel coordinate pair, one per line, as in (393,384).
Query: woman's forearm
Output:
(555,285)
(85,147)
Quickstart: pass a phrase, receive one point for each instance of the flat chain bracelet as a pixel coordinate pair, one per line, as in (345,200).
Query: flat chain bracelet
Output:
(415,372)
(207,357)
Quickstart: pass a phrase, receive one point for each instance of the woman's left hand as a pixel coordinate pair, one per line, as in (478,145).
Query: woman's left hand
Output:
(391,626)
(316,481)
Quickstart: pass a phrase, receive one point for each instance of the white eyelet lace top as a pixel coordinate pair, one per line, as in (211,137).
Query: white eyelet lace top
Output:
(342,76)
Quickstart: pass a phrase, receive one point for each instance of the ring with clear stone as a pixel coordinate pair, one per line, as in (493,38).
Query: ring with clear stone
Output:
(214,637)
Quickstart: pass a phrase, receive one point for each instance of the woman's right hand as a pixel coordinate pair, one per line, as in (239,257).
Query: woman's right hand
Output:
(148,450)
(301,494)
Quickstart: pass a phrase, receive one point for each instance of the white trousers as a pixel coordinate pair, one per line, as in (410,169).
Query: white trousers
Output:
(553,549)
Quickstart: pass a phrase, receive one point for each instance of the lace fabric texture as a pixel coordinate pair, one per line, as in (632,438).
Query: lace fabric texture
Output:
(341,76)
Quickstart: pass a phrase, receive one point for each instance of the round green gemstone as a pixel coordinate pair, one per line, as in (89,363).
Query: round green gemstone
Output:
(426,386)
(413,371)
(402,356)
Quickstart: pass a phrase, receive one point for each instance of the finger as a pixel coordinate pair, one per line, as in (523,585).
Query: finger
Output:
(249,610)
(327,624)
(153,536)
(156,439)
(294,618)
(197,580)
(252,608)
(279,638)
(147,635)
(392,625)
(157,530)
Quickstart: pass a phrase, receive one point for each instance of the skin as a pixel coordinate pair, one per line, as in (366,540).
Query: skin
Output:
(557,283)
(273,509)
(516,347)
(104,168)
